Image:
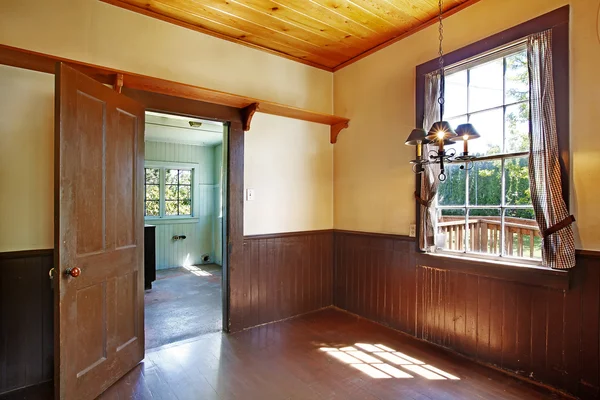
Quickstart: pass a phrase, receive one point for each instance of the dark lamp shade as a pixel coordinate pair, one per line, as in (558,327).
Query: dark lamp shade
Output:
(416,136)
(467,132)
(442,127)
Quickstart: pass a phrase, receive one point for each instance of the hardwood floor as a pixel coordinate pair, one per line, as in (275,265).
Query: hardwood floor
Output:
(302,358)
(321,355)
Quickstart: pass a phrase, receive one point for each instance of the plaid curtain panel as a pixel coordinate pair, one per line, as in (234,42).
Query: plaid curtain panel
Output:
(429,177)
(554,221)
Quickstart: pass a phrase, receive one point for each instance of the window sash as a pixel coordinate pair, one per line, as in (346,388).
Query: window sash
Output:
(503,156)
(162,167)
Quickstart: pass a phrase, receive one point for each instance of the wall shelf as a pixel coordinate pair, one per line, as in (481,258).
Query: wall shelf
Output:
(40,62)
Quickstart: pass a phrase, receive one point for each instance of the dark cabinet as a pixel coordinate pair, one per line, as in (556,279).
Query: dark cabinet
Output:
(149,255)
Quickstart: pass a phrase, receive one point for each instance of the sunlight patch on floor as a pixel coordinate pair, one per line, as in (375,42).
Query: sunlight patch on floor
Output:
(197,271)
(375,361)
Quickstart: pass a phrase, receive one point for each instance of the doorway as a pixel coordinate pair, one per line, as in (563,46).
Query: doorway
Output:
(184,178)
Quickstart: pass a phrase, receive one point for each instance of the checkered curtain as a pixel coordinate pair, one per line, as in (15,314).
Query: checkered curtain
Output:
(429,178)
(554,221)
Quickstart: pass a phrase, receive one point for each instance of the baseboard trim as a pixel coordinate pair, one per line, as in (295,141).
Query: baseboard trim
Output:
(377,235)
(287,234)
(7,255)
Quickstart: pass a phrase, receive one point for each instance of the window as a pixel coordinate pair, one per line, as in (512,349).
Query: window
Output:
(168,191)
(487,209)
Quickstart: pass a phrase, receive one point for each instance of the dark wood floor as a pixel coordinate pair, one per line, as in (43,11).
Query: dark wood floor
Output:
(302,359)
(328,354)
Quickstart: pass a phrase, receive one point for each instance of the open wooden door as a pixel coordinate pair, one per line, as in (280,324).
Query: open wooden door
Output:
(99,296)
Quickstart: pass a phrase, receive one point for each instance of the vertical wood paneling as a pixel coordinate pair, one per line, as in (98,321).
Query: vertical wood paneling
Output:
(550,335)
(200,236)
(590,303)
(26,323)
(286,275)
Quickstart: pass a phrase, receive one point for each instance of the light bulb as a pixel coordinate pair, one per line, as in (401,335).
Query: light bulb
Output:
(441,135)
(465,137)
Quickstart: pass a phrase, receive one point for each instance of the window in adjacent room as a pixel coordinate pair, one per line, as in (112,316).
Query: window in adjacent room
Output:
(168,191)
(479,209)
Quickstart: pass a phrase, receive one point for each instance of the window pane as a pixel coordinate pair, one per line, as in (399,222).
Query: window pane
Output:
(451,230)
(486,86)
(516,179)
(152,175)
(152,208)
(458,146)
(522,234)
(485,183)
(171,192)
(490,125)
(185,207)
(517,128)
(456,94)
(517,78)
(184,192)
(484,231)
(185,177)
(451,192)
(171,175)
(171,208)
(152,192)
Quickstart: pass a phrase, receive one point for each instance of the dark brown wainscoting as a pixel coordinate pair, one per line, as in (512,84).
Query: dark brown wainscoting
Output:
(284,275)
(547,334)
(26,322)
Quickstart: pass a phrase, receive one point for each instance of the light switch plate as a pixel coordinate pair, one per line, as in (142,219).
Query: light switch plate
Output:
(249,194)
(412,231)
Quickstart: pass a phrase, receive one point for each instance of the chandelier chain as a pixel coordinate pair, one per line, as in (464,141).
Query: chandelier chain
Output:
(441,99)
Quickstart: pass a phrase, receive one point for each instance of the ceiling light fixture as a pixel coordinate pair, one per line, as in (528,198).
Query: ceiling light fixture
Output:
(441,132)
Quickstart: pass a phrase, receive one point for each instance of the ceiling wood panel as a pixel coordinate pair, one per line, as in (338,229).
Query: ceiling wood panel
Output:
(326,34)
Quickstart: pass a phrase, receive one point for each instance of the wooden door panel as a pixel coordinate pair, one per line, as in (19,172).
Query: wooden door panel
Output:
(91,308)
(126,328)
(125,167)
(100,327)
(89,198)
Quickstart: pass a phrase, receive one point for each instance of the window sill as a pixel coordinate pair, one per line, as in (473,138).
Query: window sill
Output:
(520,273)
(171,221)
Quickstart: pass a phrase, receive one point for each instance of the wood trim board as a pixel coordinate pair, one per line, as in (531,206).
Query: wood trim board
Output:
(21,58)
(287,234)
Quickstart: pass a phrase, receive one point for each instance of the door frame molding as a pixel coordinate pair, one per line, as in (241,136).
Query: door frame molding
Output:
(233,214)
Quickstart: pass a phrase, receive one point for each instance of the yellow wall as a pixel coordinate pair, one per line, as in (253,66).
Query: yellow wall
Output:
(26,159)
(373,182)
(98,33)
(306,173)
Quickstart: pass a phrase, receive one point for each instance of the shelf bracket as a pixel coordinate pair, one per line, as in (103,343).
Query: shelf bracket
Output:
(336,129)
(247,114)
(118,85)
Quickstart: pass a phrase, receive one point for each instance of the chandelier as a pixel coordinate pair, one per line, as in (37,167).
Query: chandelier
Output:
(441,132)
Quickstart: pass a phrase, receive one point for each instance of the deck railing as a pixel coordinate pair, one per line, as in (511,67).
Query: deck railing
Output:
(484,235)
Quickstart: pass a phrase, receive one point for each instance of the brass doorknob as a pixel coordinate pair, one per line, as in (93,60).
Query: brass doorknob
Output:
(74,272)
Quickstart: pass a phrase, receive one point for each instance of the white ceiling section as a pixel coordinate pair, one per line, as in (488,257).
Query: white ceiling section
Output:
(177,129)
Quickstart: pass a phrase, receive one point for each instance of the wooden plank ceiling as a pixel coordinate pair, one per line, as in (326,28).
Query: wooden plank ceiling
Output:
(326,34)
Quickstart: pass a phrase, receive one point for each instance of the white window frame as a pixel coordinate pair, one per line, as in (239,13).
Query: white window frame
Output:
(164,165)
(469,64)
